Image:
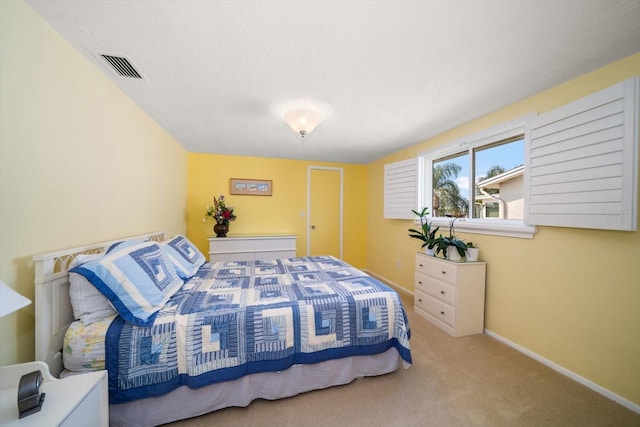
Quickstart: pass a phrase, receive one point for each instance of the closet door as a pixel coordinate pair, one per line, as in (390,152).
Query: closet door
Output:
(325,212)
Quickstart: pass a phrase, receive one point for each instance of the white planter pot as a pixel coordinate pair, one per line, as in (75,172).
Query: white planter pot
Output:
(472,254)
(430,252)
(452,254)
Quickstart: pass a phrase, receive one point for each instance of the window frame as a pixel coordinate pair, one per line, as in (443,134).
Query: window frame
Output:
(467,144)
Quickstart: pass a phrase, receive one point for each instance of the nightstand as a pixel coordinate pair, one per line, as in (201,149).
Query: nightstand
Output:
(78,400)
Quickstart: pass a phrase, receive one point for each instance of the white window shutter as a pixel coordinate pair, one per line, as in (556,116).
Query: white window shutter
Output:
(400,189)
(582,162)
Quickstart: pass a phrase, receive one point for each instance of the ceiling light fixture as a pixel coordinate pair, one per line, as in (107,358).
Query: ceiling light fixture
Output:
(302,120)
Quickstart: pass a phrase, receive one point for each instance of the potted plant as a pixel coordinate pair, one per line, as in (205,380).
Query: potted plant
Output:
(426,234)
(452,248)
(473,251)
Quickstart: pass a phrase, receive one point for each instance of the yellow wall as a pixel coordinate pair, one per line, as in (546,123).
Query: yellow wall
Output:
(79,161)
(209,176)
(570,295)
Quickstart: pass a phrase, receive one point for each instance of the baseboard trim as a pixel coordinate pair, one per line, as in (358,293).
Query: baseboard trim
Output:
(564,371)
(389,282)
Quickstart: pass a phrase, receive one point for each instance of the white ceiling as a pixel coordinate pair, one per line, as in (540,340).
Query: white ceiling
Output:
(219,74)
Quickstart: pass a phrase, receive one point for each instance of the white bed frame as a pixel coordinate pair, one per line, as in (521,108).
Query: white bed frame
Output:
(53,307)
(54,314)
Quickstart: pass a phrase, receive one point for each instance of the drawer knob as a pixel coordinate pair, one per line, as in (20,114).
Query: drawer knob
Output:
(419,282)
(442,312)
(442,292)
(419,299)
(420,265)
(444,272)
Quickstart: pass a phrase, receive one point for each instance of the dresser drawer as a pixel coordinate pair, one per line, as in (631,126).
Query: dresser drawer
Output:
(437,309)
(439,269)
(436,288)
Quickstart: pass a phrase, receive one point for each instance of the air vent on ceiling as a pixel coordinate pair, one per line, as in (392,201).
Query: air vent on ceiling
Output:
(122,66)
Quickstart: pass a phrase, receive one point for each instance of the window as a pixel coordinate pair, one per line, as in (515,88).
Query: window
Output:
(498,177)
(575,166)
(450,186)
(480,179)
(499,180)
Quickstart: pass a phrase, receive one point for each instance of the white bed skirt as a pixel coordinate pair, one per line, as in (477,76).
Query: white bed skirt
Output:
(185,403)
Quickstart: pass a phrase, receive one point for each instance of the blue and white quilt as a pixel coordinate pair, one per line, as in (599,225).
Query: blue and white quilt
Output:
(237,318)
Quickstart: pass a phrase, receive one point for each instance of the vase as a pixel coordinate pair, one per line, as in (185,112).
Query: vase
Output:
(221,230)
(472,254)
(452,254)
(431,252)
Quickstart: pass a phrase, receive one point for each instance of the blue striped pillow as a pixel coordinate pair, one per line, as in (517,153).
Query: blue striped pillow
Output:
(138,279)
(184,255)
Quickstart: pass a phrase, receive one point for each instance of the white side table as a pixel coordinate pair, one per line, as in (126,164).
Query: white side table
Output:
(79,400)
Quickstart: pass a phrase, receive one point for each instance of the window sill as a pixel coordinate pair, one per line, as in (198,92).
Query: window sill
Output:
(494,228)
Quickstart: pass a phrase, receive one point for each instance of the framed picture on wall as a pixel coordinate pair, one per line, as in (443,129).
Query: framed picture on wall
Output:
(251,187)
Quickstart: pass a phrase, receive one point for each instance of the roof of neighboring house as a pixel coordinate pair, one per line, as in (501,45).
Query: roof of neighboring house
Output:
(495,181)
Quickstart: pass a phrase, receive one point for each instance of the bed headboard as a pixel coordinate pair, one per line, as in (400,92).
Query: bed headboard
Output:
(53,312)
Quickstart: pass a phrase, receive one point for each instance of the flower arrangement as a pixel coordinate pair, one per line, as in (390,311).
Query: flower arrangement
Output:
(220,212)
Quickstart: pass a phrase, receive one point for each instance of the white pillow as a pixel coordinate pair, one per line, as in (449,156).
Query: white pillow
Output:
(84,345)
(88,303)
(184,255)
(138,278)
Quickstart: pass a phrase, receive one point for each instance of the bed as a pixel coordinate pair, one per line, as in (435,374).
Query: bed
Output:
(212,335)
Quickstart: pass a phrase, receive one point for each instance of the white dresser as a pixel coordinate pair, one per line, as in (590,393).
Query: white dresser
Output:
(450,294)
(252,247)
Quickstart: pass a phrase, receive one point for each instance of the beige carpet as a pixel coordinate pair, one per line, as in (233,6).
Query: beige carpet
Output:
(466,381)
